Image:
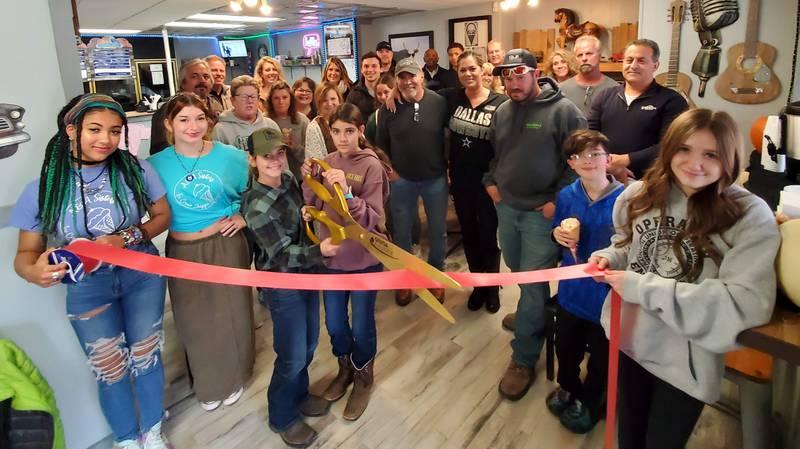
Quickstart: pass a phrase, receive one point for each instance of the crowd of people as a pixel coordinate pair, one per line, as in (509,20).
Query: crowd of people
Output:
(566,168)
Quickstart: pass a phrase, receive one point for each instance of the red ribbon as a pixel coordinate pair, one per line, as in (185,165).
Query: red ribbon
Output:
(387,280)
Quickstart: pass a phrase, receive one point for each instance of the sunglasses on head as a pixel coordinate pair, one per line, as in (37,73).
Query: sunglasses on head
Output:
(518,70)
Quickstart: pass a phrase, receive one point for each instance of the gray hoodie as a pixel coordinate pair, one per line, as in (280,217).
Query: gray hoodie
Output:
(679,331)
(234,131)
(528,166)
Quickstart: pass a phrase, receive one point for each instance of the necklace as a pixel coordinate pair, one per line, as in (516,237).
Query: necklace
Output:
(86,185)
(190,173)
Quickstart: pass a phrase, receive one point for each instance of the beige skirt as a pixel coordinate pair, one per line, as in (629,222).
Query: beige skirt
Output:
(214,321)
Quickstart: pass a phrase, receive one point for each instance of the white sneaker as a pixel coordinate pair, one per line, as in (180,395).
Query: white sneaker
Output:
(155,439)
(230,400)
(210,406)
(127,444)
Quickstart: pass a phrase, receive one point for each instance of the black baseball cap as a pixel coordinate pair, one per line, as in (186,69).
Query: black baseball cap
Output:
(383,45)
(516,58)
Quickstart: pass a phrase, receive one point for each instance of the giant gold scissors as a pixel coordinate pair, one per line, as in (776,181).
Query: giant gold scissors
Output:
(390,255)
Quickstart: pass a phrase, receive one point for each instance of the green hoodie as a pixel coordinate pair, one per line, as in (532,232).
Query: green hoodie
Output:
(21,382)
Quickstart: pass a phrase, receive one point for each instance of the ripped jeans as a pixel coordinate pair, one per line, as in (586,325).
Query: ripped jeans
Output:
(116,314)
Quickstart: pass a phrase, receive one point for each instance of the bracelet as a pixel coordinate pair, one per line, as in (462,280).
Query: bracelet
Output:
(349,194)
(131,236)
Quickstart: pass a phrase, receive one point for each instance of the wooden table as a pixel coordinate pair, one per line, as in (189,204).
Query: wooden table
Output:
(779,338)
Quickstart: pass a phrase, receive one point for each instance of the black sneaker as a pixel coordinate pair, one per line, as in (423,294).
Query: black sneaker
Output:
(559,400)
(577,418)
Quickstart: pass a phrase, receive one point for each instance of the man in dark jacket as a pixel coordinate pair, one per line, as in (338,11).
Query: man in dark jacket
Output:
(526,173)
(635,116)
(436,76)
(363,93)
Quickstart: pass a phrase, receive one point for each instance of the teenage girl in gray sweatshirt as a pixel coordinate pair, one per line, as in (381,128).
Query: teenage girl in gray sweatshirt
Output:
(697,253)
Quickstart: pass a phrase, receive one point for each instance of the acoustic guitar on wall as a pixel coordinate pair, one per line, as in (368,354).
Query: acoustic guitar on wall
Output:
(672,78)
(749,78)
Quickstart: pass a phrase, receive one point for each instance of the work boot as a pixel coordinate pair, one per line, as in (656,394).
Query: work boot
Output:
(343,379)
(403,297)
(508,321)
(362,388)
(492,299)
(438,293)
(516,381)
(314,406)
(299,434)
(476,299)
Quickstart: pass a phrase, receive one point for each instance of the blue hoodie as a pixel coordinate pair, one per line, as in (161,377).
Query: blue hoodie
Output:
(584,297)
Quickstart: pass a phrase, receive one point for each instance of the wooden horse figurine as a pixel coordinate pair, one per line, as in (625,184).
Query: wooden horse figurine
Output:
(569,31)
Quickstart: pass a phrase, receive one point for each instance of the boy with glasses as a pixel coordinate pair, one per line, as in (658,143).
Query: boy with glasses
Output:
(589,203)
(527,171)
(234,126)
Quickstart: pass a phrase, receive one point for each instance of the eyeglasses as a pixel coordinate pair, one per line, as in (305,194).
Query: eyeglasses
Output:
(416,112)
(303,91)
(248,97)
(587,95)
(588,157)
(517,71)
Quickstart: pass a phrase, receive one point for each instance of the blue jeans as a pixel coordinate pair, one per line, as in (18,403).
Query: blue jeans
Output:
(360,340)
(526,245)
(295,332)
(117,315)
(403,201)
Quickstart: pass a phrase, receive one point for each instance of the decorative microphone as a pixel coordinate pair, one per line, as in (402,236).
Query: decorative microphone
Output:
(708,16)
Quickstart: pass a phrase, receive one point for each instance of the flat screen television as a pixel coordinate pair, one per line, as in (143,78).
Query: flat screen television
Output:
(233,48)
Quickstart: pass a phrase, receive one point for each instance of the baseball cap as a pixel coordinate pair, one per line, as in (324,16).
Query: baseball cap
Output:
(383,45)
(264,141)
(408,65)
(515,58)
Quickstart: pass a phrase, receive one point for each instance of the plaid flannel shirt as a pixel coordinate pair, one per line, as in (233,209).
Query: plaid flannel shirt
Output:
(275,225)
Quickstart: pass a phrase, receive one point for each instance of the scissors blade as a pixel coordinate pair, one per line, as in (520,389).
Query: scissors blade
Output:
(434,304)
(395,258)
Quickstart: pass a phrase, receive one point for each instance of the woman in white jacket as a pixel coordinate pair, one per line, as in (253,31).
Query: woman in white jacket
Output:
(697,253)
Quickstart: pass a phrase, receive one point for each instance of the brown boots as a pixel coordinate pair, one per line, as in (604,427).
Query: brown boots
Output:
(362,388)
(343,379)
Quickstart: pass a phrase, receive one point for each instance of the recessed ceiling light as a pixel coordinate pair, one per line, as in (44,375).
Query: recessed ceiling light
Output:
(107,31)
(229,18)
(205,25)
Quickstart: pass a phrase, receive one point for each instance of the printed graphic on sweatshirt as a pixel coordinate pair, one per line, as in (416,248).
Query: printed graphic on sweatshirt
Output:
(201,193)
(101,210)
(241,142)
(471,123)
(656,242)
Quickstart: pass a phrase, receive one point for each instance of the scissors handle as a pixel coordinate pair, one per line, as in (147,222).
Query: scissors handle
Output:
(336,230)
(339,203)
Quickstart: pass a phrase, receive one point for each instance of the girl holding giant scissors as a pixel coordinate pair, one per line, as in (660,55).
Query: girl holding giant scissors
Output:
(365,181)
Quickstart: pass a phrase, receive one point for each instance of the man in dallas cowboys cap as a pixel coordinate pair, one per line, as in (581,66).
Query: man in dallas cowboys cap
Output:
(524,177)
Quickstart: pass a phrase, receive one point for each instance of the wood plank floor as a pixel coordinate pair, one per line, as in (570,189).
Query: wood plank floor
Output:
(435,387)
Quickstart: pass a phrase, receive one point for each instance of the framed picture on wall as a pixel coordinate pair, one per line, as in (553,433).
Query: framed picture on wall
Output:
(413,43)
(474,33)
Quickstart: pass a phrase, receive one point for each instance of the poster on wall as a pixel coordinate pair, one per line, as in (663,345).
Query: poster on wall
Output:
(474,33)
(413,43)
(340,43)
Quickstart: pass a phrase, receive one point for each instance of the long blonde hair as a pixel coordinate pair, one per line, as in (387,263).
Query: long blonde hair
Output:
(567,56)
(257,75)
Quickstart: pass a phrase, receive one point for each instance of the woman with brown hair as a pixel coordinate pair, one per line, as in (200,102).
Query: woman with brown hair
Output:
(303,91)
(561,65)
(268,72)
(335,73)
(282,108)
(697,252)
(204,181)
(319,142)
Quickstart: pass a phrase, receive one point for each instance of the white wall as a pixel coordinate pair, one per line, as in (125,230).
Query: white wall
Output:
(380,29)
(32,317)
(776,28)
